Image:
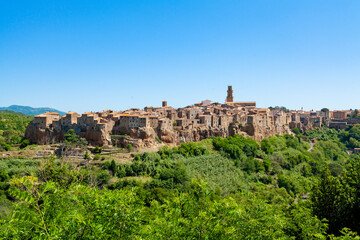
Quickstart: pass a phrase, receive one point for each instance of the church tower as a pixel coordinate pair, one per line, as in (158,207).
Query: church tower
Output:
(229,97)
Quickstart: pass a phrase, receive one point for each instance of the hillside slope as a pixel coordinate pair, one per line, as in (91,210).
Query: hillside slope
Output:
(30,110)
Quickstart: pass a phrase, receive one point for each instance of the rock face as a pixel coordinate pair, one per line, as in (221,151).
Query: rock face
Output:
(143,133)
(38,136)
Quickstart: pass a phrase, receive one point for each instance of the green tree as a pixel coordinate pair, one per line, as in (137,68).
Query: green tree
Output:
(273,144)
(324,109)
(71,137)
(328,201)
(351,184)
(296,131)
(355,114)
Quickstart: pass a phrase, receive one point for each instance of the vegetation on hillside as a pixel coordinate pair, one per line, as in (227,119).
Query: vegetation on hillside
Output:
(284,187)
(12,129)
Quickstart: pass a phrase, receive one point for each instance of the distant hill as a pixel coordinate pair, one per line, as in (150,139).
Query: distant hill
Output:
(31,111)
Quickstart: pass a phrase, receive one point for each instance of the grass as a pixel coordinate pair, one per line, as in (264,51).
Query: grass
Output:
(207,143)
(142,179)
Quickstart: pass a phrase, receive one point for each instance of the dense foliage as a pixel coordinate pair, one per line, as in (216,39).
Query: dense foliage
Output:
(12,129)
(284,187)
(10,168)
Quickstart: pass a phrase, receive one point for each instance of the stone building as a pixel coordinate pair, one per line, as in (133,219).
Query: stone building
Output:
(339,114)
(173,126)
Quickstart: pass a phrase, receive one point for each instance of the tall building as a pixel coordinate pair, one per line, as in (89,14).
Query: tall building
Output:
(230,97)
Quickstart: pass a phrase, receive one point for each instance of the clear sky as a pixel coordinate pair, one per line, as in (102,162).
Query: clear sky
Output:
(95,55)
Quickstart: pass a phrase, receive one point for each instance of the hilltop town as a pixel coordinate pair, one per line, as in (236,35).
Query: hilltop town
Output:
(149,126)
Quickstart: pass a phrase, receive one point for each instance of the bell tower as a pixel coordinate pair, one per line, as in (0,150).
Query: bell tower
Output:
(230,97)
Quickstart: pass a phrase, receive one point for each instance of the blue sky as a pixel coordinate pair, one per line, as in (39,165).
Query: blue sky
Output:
(95,55)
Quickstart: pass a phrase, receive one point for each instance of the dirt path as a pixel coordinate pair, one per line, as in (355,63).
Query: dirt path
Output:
(311,147)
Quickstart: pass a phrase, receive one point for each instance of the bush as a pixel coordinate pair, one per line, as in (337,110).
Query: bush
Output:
(97,149)
(97,157)
(125,183)
(236,145)
(129,147)
(273,144)
(296,131)
(24,143)
(191,149)
(5,146)
(121,173)
(178,175)
(102,177)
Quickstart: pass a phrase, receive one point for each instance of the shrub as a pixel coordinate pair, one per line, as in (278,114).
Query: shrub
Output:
(5,146)
(273,144)
(97,149)
(129,147)
(97,157)
(102,177)
(24,143)
(234,146)
(296,131)
(191,149)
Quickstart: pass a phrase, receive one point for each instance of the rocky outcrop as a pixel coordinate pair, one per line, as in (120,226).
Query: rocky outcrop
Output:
(135,143)
(143,133)
(168,135)
(37,135)
(96,138)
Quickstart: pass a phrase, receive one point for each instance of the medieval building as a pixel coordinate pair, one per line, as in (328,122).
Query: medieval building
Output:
(173,126)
